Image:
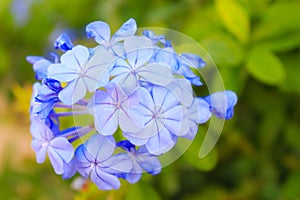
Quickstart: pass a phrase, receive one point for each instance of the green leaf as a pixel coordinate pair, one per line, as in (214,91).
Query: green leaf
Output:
(292,80)
(141,191)
(191,156)
(281,18)
(224,50)
(266,67)
(282,44)
(234,18)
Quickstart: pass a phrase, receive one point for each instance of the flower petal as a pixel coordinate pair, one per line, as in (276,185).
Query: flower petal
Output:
(103,180)
(56,161)
(76,58)
(127,29)
(63,42)
(139,50)
(161,142)
(100,147)
(99,30)
(40,150)
(106,119)
(149,163)
(62,72)
(203,111)
(182,89)
(116,164)
(63,148)
(73,92)
(175,120)
(134,139)
(156,73)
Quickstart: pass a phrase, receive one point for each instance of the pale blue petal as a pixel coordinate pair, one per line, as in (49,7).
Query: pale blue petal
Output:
(102,59)
(176,121)
(73,92)
(100,147)
(63,148)
(69,169)
(161,143)
(121,67)
(106,119)
(222,103)
(149,163)
(129,83)
(164,97)
(167,56)
(84,161)
(182,89)
(76,58)
(139,50)
(127,29)
(135,139)
(56,161)
(156,73)
(99,30)
(116,164)
(40,68)
(146,101)
(62,72)
(82,155)
(203,111)
(95,78)
(103,180)
(130,121)
(135,174)
(33,59)
(40,130)
(192,60)
(40,150)
(118,50)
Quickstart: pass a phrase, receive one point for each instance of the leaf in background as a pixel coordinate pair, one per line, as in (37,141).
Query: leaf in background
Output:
(282,44)
(141,191)
(281,18)
(266,67)
(235,18)
(202,23)
(292,81)
(191,156)
(224,50)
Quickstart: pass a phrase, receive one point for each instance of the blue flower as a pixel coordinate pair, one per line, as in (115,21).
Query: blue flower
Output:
(81,72)
(40,66)
(63,42)
(127,72)
(95,159)
(222,103)
(141,160)
(198,113)
(137,88)
(165,119)
(112,108)
(44,98)
(58,149)
(100,31)
(157,39)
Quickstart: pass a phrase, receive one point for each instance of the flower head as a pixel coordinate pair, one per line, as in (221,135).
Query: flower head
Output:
(134,95)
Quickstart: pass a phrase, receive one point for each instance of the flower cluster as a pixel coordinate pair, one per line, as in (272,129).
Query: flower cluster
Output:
(138,92)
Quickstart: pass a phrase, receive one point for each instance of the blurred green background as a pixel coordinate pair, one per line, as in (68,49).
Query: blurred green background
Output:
(256,46)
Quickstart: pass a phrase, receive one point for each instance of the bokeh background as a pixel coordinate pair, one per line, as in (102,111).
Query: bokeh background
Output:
(256,46)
